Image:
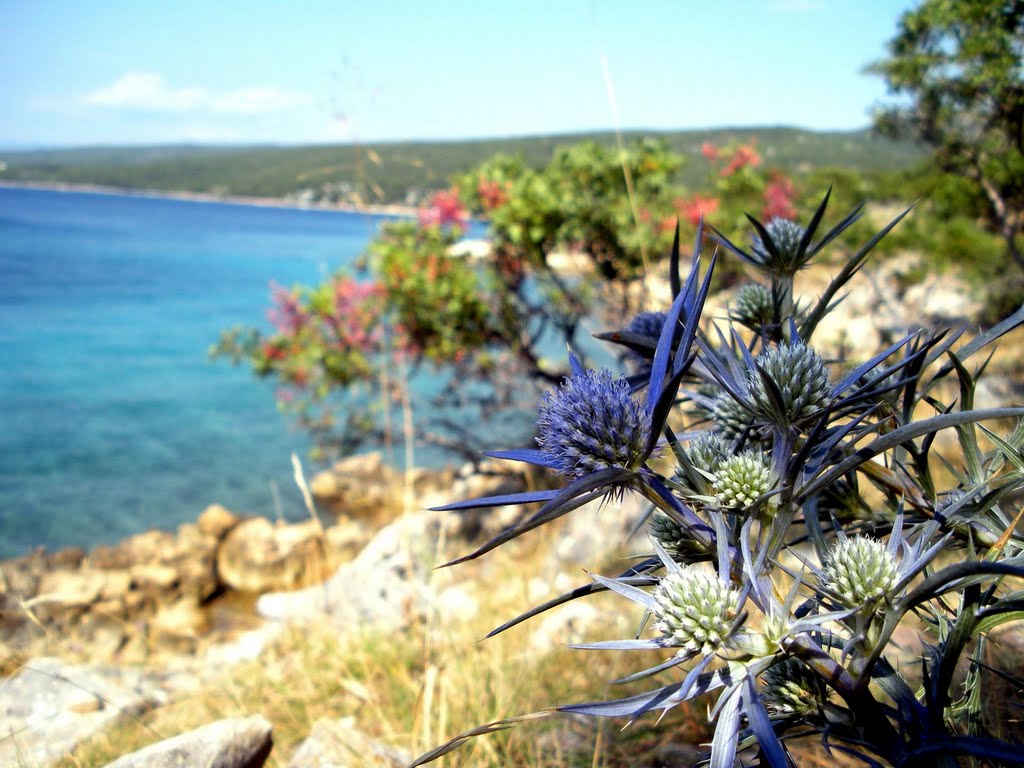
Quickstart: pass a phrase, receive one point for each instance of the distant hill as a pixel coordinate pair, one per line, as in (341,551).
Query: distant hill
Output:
(404,171)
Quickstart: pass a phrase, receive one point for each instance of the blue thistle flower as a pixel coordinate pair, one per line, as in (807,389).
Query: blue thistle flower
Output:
(785,236)
(753,306)
(594,432)
(592,422)
(647,324)
(801,377)
(781,247)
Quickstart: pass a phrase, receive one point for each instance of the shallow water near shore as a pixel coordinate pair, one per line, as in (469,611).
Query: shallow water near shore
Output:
(114,420)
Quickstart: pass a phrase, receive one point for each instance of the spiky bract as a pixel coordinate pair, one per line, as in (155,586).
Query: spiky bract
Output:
(592,422)
(695,610)
(647,324)
(860,570)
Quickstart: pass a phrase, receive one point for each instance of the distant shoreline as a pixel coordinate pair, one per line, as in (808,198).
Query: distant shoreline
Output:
(203,197)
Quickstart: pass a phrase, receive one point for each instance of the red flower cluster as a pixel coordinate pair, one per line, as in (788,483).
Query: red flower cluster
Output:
(778,198)
(356,308)
(709,150)
(341,317)
(286,314)
(744,155)
(492,194)
(695,208)
(445,210)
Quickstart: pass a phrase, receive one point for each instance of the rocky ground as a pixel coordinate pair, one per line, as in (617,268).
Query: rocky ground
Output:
(89,638)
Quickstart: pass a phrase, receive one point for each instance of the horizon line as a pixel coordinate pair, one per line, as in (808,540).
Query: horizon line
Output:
(18,147)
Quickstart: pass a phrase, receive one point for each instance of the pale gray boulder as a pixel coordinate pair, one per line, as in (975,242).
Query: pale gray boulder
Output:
(48,707)
(232,743)
(339,744)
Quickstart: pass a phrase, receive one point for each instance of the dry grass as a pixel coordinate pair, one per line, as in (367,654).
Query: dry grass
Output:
(417,688)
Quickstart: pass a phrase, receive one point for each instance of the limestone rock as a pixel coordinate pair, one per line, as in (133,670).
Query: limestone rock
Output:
(361,486)
(569,624)
(245,647)
(339,744)
(97,605)
(384,586)
(117,584)
(103,630)
(20,577)
(48,707)
(64,596)
(195,556)
(177,627)
(216,521)
(154,577)
(594,530)
(258,556)
(71,557)
(190,552)
(490,478)
(71,587)
(232,743)
(345,538)
(148,547)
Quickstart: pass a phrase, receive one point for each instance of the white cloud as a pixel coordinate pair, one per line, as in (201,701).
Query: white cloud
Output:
(147,92)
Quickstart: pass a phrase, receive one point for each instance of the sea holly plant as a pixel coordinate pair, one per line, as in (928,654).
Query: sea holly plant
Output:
(801,513)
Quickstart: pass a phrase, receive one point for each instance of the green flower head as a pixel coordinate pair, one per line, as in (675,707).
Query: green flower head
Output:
(752,306)
(860,570)
(740,480)
(695,610)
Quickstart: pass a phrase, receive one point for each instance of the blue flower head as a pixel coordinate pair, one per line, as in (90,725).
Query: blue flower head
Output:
(592,422)
(645,324)
(648,324)
(785,236)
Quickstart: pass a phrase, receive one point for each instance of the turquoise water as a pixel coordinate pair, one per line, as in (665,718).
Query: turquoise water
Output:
(113,420)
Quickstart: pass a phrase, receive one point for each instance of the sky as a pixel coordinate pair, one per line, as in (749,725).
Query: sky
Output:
(316,71)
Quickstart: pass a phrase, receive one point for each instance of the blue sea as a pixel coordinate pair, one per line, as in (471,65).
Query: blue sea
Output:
(112,418)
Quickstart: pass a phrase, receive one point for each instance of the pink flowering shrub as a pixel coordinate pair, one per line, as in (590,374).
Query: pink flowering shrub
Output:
(743,156)
(444,211)
(694,209)
(779,196)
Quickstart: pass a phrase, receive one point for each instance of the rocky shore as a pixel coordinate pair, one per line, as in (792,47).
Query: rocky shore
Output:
(163,592)
(87,638)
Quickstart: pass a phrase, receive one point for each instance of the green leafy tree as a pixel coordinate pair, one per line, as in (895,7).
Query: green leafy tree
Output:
(489,330)
(956,66)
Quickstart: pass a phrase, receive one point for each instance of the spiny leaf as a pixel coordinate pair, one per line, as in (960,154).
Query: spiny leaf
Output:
(480,730)
(574,495)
